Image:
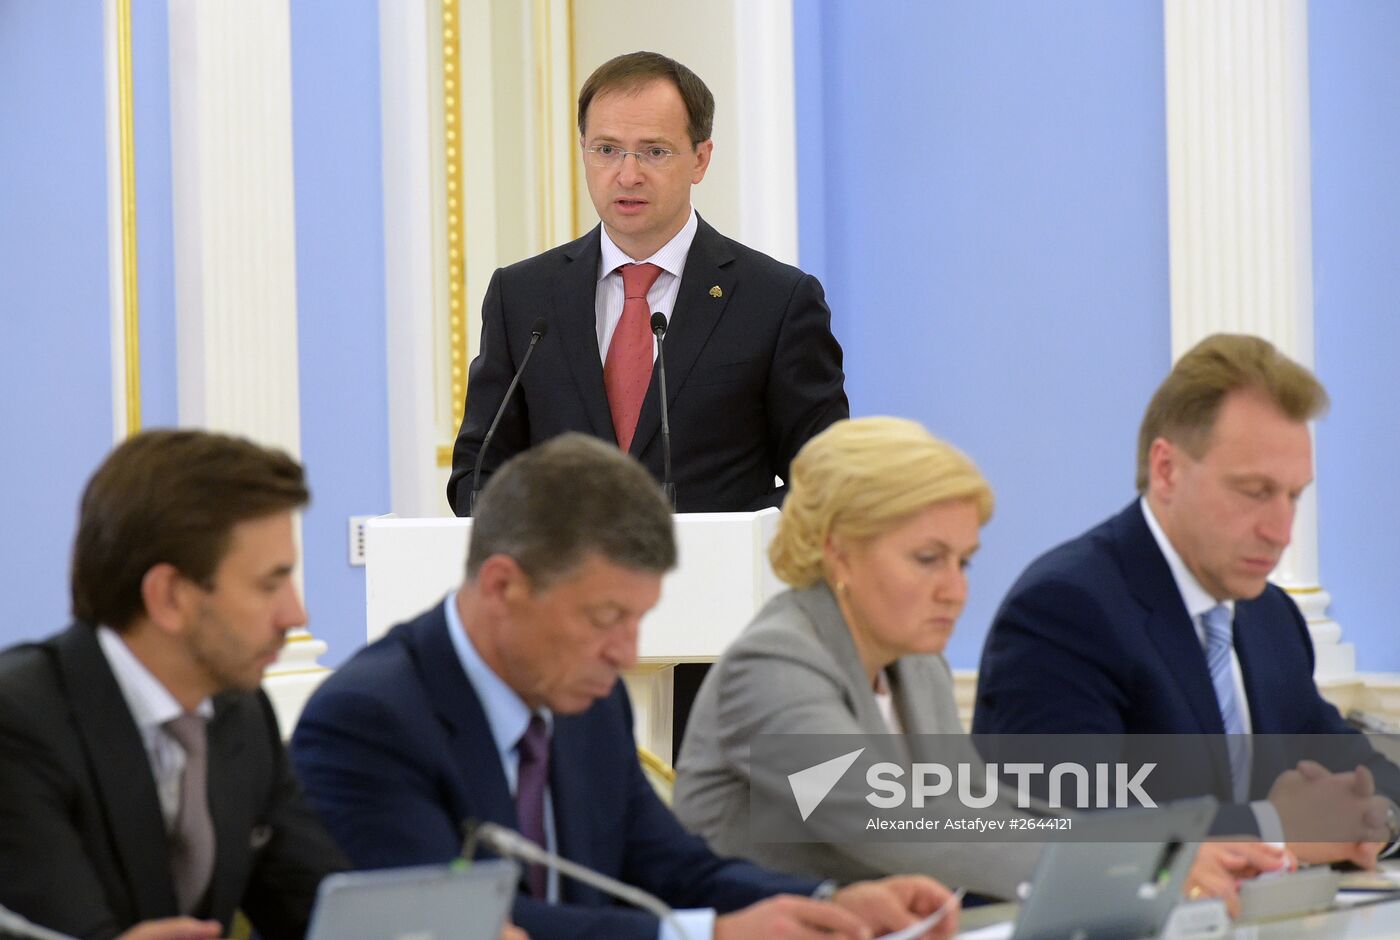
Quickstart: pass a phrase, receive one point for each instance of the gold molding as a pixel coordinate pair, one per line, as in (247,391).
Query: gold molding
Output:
(126,144)
(540,22)
(455,196)
(547,17)
(650,761)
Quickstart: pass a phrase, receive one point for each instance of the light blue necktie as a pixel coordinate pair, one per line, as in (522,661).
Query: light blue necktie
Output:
(1220,635)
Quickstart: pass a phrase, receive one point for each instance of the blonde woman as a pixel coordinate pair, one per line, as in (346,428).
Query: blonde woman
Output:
(880,523)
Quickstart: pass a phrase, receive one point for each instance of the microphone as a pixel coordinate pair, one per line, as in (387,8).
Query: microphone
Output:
(658,328)
(507,843)
(13,925)
(537,331)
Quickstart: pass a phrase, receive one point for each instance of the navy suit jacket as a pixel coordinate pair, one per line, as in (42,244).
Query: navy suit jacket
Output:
(395,752)
(752,371)
(1095,638)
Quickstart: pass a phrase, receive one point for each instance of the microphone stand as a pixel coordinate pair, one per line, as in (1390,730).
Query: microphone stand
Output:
(658,329)
(13,925)
(507,843)
(537,330)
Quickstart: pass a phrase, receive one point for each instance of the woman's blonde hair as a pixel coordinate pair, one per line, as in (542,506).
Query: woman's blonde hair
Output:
(860,478)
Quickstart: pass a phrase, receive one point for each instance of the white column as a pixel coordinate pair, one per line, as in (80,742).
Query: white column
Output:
(551,138)
(235,250)
(767,112)
(410,290)
(1240,215)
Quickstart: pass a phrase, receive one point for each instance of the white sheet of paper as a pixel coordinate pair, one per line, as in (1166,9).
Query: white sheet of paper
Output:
(1000,931)
(927,924)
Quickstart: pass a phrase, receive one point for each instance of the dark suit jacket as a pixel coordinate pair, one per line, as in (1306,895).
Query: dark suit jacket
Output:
(751,375)
(1095,638)
(82,840)
(396,754)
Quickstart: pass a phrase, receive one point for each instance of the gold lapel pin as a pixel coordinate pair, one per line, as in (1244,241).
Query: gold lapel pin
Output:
(716,292)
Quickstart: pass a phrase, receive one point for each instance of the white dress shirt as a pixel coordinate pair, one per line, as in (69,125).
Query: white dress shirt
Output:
(884,700)
(609,297)
(1198,602)
(151,706)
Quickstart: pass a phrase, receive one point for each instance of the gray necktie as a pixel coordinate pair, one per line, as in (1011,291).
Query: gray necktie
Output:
(1220,630)
(192,839)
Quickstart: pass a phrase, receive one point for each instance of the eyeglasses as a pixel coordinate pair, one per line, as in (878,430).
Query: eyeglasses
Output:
(608,156)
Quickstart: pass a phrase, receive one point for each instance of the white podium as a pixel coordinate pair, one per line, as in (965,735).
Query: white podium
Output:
(722,579)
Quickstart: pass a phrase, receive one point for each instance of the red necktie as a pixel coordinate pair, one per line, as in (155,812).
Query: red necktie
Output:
(627,371)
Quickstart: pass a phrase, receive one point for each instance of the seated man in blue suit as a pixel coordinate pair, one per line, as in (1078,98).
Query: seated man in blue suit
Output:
(502,704)
(1162,619)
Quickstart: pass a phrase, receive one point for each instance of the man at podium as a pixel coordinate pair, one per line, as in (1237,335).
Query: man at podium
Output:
(502,704)
(752,368)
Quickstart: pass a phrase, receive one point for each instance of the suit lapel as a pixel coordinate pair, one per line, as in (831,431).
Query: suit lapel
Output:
(1170,629)
(820,606)
(230,788)
(576,321)
(1256,641)
(121,771)
(697,311)
(570,797)
(1169,626)
(474,756)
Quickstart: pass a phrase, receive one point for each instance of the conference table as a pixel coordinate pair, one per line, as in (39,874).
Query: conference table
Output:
(1354,916)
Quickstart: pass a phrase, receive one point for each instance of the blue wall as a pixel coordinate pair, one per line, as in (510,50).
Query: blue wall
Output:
(1006,157)
(982,189)
(340,289)
(55,386)
(1354,51)
(155,224)
(56,380)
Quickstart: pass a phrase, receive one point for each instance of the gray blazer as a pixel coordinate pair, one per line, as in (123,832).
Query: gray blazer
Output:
(795,670)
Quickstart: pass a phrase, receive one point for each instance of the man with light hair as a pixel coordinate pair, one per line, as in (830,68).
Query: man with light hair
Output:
(1162,620)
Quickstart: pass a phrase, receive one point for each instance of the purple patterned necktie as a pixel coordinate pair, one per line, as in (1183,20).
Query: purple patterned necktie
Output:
(529,795)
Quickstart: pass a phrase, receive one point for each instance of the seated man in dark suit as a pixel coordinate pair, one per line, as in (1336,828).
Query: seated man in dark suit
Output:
(143,782)
(752,368)
(502,704)
(1162,619)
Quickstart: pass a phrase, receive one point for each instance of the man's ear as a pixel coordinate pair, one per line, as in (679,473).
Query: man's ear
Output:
(167,597)
(703,151)
(1163,468)
(501,580)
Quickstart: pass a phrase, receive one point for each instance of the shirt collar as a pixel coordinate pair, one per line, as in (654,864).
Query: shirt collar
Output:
(1196,598)
(670,257)
(149,701)
(506,713)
